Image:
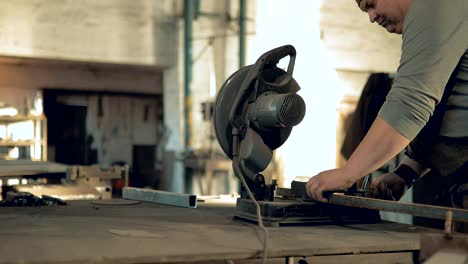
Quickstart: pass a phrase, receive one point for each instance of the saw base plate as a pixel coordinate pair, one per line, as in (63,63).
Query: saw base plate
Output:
(287,212)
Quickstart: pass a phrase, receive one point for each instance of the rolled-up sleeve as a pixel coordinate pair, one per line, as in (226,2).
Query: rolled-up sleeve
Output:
(434,40)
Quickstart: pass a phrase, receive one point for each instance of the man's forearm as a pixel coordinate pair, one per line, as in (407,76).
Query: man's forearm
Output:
(380,145)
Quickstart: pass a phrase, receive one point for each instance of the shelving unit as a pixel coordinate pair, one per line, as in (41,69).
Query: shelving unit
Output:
(38,140)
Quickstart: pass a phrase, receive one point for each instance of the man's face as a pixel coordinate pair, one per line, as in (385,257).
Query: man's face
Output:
(389,14)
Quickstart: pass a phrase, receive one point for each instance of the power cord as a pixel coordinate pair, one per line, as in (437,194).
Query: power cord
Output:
(257,206)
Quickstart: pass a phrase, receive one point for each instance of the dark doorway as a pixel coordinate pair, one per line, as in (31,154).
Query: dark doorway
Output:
(66,126)
(144,172)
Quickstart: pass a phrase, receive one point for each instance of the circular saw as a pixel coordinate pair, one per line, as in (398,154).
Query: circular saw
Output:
(254,113)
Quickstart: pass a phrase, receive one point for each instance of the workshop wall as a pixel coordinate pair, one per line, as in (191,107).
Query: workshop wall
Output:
(367,47)
(118,123)
(130,35)
(138,33)
(119,31)
(21,79)
(141,33)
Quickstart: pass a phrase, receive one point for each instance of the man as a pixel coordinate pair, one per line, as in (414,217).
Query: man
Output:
(427,104)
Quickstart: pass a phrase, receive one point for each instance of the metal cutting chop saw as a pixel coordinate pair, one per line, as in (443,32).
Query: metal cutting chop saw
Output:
(254,113)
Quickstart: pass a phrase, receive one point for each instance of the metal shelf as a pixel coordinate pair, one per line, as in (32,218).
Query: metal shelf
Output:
(19,143)
(19,118)
(39,137)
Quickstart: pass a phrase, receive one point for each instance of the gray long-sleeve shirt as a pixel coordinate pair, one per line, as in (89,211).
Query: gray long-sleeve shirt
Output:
(435,39)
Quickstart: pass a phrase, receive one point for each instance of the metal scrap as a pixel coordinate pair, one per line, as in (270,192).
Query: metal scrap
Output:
(22,199)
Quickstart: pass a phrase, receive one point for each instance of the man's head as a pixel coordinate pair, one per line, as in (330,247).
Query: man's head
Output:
(389,14)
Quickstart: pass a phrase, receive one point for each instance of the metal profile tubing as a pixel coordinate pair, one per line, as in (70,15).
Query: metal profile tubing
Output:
(160,197)
(429,211)
(422,210)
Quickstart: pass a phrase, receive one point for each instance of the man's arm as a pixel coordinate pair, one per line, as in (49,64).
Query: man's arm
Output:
(379,146)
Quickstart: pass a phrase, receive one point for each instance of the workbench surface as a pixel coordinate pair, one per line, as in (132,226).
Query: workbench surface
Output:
(85,232)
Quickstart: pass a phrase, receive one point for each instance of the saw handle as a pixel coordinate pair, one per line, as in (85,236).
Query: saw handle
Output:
(273,56)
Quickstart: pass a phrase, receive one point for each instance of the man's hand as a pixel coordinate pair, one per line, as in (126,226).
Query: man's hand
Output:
(381,144)
(388,187)
(330,180)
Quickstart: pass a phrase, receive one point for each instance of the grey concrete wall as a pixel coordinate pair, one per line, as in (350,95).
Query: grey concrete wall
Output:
(356,43)
(118,31)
